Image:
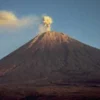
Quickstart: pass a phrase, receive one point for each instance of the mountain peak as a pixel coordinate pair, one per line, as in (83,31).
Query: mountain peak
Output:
(50,38)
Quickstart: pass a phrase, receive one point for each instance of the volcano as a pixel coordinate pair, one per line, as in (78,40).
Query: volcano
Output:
(52,58)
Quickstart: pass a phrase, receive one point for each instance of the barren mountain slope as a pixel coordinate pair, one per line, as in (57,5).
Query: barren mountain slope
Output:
(51,57)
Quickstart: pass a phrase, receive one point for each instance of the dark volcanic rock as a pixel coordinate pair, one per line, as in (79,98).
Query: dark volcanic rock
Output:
(52,58)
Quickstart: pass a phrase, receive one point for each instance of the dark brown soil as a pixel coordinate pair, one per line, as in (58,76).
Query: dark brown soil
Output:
(50,93)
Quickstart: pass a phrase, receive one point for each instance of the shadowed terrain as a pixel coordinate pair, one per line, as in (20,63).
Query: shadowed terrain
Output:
(26,92)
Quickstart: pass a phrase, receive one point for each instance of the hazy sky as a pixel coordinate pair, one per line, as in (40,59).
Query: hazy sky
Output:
(79,19)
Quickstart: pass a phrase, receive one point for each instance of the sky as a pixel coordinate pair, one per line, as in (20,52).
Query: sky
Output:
(19,21)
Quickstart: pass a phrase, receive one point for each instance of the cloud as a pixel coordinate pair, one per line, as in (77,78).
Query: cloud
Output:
(9,21)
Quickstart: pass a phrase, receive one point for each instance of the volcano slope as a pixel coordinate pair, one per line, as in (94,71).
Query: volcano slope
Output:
(51,58)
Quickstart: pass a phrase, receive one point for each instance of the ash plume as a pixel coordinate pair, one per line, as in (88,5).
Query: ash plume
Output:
(10,22)
(46,24)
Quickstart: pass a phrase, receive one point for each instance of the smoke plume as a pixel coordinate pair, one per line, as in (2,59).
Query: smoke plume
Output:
(46,24)
(9,22)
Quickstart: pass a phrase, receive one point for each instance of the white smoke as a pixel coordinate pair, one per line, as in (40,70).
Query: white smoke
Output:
(9,22)
(9,19)
(46,24)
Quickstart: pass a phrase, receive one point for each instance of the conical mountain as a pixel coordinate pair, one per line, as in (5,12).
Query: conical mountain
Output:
(52,58)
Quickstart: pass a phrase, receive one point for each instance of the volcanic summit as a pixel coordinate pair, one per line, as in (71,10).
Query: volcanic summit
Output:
(51,58)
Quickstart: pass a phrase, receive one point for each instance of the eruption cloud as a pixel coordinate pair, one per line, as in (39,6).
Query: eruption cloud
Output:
(9,19)
(10,23)
(47,21)
(46,24)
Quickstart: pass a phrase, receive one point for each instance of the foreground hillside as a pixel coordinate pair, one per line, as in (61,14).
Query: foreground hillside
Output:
(49,93)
